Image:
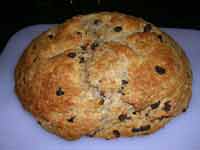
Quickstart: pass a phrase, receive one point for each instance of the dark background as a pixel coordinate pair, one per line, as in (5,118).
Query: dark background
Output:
(18,14)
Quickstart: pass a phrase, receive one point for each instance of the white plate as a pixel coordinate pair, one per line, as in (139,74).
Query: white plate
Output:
(18,129)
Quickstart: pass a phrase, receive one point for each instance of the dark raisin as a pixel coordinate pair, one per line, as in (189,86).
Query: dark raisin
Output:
(122,88)
(71,119)
(147,28)
(34,60)
(134,112)
(146,114)
(71,55)
(123,117)
(160,38)
(121,92)
(124,82)
(117,28)
(163,117)
(167,106)
(155,105)
(160,70)
(102,94)
(82,60)
(184,110)
(142,128)
(135,129)
(39,122)
(92,134)
(50,36)
(145,128)
(101,102)
(84,47)
(116,133)
(78,33)
(59,92)
(97,21)
(94,45)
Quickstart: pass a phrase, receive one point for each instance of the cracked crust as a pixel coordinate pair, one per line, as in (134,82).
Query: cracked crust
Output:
(103,75)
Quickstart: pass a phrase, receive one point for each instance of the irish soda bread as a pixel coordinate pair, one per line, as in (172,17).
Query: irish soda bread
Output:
(103,75)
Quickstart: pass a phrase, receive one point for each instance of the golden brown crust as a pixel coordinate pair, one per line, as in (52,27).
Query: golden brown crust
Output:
(105,75)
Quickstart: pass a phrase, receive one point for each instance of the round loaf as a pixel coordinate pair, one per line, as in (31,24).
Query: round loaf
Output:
(103,75)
